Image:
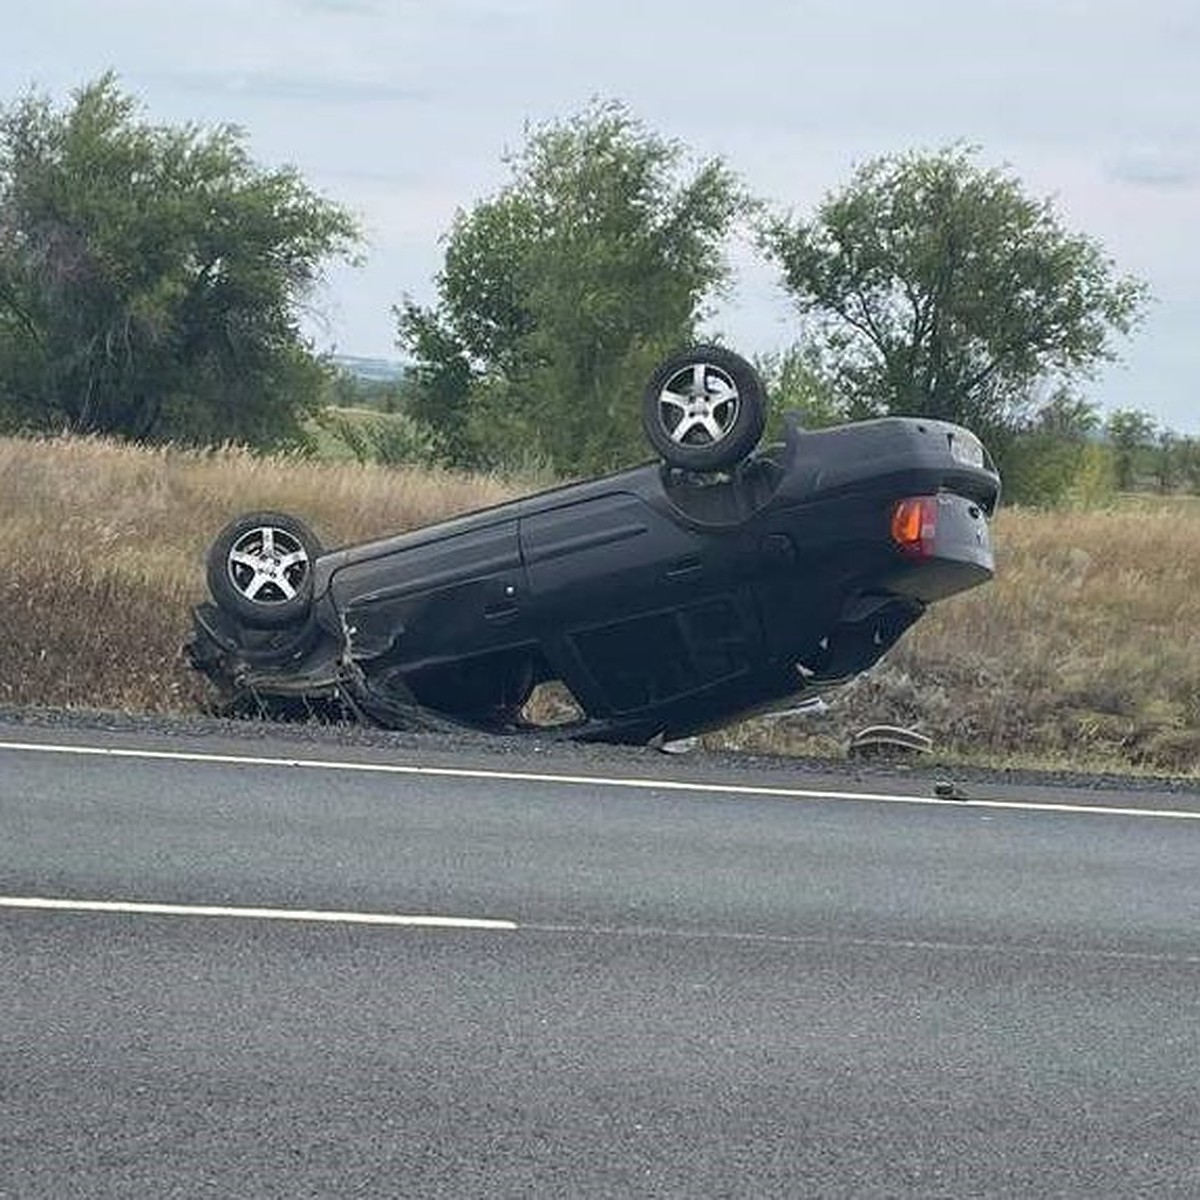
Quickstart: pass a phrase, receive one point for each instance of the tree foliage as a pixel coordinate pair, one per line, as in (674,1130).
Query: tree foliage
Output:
(1187,457)
(1055,456)
(936,287)
(559,294)
(794,383)
(151,277)
(1132,434)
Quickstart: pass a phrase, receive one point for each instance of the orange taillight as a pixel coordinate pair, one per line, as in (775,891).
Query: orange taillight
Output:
(914,525)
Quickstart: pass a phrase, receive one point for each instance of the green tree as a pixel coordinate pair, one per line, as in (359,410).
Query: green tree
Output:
(1132,435)
(794,383)
(938,288)
(1167,461)
(151,277)
(1094,483)
(1050,458)
(560,293)
(1189,463)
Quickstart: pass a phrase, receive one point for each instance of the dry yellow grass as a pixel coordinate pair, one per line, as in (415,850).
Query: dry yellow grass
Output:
(1085,650)
(103,549)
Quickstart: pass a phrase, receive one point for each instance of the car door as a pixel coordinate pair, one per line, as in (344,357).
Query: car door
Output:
(458,595)
(634,609)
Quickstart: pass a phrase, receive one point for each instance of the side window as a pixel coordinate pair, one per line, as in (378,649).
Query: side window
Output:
(656,657)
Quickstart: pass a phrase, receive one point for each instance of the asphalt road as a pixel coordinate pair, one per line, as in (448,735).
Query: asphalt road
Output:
(655,984)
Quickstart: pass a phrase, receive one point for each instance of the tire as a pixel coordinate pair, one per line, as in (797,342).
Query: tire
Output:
(704,409)
(260,569)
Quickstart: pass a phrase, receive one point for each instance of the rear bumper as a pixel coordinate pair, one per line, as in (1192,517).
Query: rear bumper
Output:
(959,555)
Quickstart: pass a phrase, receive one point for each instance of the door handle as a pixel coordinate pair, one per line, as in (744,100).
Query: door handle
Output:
(504,609)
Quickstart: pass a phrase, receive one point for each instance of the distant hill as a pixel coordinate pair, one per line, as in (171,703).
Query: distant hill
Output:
(372,370)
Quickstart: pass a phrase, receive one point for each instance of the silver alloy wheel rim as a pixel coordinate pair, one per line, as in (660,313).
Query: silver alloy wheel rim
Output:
(699,405)
(268,565)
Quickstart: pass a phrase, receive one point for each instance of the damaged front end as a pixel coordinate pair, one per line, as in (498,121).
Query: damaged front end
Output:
(307,671)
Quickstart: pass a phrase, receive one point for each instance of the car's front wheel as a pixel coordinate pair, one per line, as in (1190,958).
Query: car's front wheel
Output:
(260,569)
(704,409)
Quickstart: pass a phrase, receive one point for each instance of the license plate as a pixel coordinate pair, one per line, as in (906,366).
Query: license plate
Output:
(966,449)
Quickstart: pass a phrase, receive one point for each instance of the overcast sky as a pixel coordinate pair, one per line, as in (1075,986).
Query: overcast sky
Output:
(401,110)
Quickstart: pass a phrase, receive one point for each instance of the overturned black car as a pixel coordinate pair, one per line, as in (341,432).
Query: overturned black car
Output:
(668,599)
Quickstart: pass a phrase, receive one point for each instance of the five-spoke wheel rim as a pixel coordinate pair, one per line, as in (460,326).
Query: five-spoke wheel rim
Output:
(699,405)
(268,565)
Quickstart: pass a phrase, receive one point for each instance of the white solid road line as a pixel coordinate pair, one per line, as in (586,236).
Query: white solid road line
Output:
(650,785)
(134,908)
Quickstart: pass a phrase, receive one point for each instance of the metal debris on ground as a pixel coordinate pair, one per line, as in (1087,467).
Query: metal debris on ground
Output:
(883,739)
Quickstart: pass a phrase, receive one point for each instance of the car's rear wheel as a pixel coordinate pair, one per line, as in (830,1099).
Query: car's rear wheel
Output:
(704,409)
(260,569)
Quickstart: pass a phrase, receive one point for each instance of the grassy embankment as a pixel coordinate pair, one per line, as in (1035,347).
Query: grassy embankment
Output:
(1085,651)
